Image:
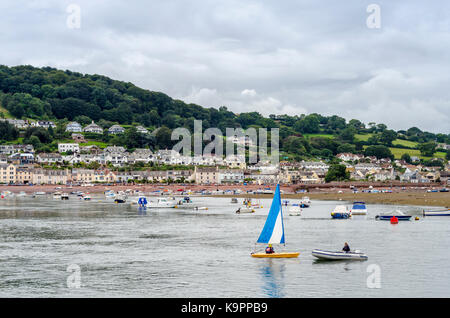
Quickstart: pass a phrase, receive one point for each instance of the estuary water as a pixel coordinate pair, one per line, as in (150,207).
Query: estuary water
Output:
(122,251)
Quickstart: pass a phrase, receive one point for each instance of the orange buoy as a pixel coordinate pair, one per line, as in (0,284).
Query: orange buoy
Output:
(394,220)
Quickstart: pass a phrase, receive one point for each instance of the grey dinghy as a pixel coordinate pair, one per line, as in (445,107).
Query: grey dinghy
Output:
(329,255)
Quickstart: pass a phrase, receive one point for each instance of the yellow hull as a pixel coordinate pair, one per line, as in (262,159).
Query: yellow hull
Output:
(276,255)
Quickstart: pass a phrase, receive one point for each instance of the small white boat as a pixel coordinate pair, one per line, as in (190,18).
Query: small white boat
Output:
(339,255)
(200,208)
(358,208)
(65,196)
(340,212)
(443,212)
(57,195)
(295,210)
(306,201)
(39,193)
(186,202)
(245,209)
(22,194)
(162,203)
(86,197)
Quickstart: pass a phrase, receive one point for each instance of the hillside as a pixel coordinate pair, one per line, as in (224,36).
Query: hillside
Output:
(27,92)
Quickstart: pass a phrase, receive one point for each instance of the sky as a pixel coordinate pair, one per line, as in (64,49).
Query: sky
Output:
(275,57)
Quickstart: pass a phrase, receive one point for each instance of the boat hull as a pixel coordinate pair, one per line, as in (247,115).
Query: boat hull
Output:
(276,255)
(388,217)
(437,213)
(340,215)
(330,255)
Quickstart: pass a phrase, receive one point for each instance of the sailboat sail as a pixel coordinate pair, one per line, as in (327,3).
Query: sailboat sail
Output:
(273,231)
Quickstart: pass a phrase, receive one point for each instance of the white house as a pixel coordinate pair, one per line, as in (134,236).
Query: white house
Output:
(116,129)
(68,147)
(93,128)
(74,127)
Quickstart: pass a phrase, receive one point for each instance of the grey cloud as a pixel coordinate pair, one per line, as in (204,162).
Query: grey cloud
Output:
(297,56)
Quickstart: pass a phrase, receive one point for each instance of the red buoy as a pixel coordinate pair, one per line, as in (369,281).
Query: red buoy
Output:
(394,220)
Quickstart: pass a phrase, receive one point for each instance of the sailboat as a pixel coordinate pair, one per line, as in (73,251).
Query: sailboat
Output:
(273,231)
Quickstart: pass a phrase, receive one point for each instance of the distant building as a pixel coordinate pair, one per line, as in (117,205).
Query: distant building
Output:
(74,127)
(79,138)
(93,128)
(141,130)
(68,147)
(116,129)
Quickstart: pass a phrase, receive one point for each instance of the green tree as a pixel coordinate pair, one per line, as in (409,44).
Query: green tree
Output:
(337,172)
(427,149)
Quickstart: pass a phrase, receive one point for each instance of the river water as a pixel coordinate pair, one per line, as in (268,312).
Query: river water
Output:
(122,251)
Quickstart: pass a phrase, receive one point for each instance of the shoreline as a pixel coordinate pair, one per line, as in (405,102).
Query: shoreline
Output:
(416,196)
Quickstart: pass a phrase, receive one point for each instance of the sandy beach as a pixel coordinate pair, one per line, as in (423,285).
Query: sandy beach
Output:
(405,195)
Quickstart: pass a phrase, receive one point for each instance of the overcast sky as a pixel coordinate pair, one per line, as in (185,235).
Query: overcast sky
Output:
(279,57)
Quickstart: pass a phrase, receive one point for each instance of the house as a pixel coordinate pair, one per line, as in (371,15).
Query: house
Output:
(314,165)
(20,158)
(141,130)
(7,173)
(49,158)
(74,127)
(93,149)
(116,129)
(235,161)
(180,175)
(93,128)
(68,147)
(208,175)
(114,149)
(141,155)
(231,176)
(24,175)
(50,176)
(44,124)
(345,156)
(78,138)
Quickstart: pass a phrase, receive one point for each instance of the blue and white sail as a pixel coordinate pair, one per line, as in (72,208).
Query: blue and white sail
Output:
(273,231)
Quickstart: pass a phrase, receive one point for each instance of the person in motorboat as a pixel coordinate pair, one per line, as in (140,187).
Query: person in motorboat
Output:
(269,249)
(346,248)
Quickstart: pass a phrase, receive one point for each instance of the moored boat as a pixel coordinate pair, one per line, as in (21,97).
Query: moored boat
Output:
(339,255)
(358,208)
(65,196)
(443,212)
(161,203)
(340,212)
(295,210)
(388,216)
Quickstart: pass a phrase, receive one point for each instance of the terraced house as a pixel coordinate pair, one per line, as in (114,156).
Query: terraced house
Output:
(7,173)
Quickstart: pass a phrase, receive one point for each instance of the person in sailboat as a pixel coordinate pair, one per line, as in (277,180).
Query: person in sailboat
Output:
(346,248)
(269,249)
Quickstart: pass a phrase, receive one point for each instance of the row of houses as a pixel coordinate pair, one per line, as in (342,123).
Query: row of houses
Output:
(24,123)
(76,127)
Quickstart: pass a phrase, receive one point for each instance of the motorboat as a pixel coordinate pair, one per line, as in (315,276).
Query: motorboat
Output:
(358,208)
(65,196)
(306,200)
(234,200)
(295,210)
(86,197)
(57,195)
(110,194)
(186,202)
(388,216)
(339,255)
(39,193)
(442,212)
(22,194)
(162,203)
(340,212)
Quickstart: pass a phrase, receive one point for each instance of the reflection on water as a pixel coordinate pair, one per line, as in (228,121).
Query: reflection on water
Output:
(272,273)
